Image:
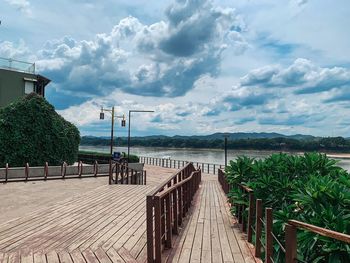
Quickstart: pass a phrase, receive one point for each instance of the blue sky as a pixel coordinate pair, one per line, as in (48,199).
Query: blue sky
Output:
(203,66)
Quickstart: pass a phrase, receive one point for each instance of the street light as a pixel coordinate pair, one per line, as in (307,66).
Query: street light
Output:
(102,117)
(130,111)
(225,135)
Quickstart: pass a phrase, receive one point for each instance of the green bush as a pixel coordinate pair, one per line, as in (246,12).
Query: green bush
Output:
(309,188)
(32,132)
(132,158)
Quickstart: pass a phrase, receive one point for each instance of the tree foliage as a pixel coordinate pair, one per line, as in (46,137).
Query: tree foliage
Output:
(32,132)
(334,144)
(309,188)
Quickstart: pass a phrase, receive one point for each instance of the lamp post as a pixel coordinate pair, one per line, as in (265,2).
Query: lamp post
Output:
(130,111)
(225,145)
(102,117)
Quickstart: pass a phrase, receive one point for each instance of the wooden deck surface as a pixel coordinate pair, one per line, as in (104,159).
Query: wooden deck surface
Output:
(108,224)
(210,234)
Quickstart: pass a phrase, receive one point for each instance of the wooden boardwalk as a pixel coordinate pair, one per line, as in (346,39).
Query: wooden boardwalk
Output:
(210,234)
(108,224)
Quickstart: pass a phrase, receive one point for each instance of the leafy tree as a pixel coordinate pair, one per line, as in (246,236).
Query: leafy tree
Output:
(32,132)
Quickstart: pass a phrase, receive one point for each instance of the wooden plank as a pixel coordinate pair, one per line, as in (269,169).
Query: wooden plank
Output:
(215,240)
(89,237)
(77,257)
(239,245)
(206,247)
(114,256)
(4,257)
(89,256)
(52,257)
(27,257)
(125,254)
(64,257)
(102,256)
(39,257)
(21,233)
(14,257)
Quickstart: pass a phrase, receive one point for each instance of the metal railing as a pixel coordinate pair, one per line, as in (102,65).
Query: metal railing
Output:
(264,223)
(120,173)
(210,168)
(166,207)
(17,65)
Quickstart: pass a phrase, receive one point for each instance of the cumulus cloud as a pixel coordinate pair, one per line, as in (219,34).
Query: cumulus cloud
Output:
(163,59)
(21,5)
(15,51)
(303,76)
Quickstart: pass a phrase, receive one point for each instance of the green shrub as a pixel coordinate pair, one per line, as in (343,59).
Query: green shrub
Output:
(32,132)
(132,158)
(310,188)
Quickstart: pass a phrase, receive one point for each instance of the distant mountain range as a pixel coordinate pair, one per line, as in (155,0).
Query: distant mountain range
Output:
(220,136)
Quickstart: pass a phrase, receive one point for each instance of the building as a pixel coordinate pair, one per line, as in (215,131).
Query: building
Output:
(18,78)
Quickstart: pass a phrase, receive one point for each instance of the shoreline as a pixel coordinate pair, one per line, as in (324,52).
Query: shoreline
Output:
(335,155)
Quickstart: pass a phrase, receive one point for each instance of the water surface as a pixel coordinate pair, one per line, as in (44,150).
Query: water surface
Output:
(216,156)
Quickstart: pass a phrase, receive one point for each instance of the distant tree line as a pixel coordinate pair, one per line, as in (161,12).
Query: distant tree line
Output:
(336,144)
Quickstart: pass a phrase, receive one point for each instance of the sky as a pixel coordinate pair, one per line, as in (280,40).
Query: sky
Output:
(203,66)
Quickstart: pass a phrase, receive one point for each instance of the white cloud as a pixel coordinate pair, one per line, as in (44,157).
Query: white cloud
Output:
(22,5)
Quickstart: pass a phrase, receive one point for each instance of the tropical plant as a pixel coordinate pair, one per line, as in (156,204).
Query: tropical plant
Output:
(310,188)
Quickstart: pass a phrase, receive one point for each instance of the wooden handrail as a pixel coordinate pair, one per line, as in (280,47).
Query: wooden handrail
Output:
(172,188)
(321,231)
(165,208)
(168,180)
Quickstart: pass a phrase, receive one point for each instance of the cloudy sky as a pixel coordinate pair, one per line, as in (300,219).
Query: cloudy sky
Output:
(203,66)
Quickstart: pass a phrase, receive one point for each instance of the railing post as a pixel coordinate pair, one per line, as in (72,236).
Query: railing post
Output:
(268,235)
(150,239)
(157,230)
(80,168)
(291,243)
(110,172)
(168,221)
(250,216)
(175,206)
(6,172)
(180,202)
(26,170)
(46,170)
(258,228)
(95,168)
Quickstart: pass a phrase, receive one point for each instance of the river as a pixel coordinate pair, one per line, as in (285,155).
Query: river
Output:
(196,155)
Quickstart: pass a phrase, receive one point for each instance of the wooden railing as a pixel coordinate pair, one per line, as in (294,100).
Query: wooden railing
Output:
(264,222)
(166,207)
(210,168)
(120,173)
(46,172)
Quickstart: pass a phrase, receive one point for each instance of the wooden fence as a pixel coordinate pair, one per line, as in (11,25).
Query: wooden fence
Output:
(166,207)
(46,172)
(120,173)
(265,222)
(210,168)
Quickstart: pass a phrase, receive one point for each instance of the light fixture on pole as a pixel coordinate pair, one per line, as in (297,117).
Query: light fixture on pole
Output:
(130,111)
(102,117)
(225,146)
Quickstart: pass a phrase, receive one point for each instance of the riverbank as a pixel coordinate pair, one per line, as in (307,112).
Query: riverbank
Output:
(106,149)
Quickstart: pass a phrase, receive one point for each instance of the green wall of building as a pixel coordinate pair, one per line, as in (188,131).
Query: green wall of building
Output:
(12,85)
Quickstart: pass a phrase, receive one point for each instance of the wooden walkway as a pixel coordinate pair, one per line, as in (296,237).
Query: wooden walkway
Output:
(108,224)
(210,234)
